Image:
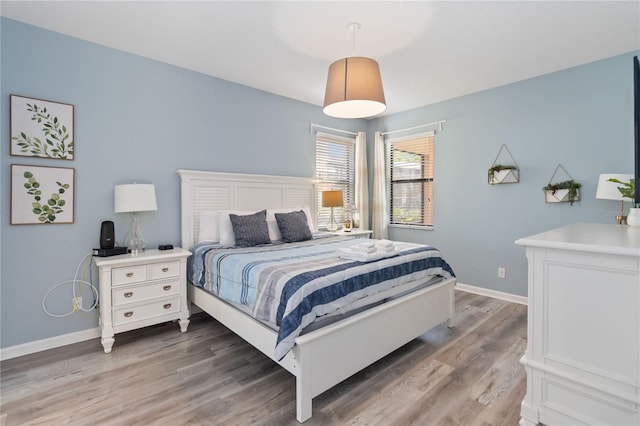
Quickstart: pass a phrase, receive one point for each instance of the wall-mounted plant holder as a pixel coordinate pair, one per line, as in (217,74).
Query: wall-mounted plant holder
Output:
(503,172)
(561,191)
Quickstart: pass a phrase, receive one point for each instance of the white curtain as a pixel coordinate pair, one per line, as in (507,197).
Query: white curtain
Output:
(362,180)
(379,205)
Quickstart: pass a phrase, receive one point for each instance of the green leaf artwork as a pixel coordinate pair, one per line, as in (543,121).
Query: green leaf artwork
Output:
(41,128)
(46,210)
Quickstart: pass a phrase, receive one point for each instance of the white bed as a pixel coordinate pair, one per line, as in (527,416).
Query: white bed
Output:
(324,357)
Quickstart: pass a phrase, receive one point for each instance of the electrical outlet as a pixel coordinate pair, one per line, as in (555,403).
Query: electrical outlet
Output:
(76,302)
(502,272)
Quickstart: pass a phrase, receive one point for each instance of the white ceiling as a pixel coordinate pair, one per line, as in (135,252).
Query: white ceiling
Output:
(428,51)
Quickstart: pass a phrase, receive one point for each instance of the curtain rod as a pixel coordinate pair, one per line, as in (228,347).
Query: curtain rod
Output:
(439,123)
(317,126)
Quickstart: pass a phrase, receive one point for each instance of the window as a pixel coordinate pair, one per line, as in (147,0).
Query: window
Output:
(410,188)
(335,166)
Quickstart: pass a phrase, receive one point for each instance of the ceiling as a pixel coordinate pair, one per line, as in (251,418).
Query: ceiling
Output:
(428,51)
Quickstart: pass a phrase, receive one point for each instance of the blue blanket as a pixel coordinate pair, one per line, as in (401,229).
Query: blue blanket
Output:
(292,284)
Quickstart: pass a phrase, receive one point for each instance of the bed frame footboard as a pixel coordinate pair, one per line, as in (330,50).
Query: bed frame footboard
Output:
(325,357)
(328,356)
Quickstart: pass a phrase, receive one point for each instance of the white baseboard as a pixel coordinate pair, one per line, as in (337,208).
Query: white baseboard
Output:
(92,333)
(49,343)
(492,293)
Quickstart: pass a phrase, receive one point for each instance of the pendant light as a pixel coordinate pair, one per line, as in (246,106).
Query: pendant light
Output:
(354,87)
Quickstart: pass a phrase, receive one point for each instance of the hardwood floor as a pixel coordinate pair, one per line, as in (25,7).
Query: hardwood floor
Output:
(467,375)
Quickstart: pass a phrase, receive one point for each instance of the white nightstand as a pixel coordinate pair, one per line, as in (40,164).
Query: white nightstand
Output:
(357,233)
(142,289)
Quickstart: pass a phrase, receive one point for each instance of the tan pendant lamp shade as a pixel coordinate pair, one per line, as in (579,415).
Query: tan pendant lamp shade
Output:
(354,89)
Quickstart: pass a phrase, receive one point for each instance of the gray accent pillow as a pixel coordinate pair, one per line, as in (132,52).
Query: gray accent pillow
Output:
(293,226)
(250,230)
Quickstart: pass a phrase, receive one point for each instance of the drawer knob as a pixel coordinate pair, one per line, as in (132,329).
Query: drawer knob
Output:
(165,269)
(167,305)
(128,294)
(166,288)
(129,274)
(128,314)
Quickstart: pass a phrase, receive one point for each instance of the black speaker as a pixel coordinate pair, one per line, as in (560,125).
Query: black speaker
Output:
(107,238)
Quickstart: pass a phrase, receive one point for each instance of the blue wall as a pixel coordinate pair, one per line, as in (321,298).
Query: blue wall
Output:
(135,119)
(581,118)
(138,119)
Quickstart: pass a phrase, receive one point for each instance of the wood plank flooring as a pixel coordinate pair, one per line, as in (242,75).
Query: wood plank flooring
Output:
(467,375)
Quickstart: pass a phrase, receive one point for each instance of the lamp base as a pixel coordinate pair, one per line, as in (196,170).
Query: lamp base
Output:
(135,241)
(621,219)
(332,226)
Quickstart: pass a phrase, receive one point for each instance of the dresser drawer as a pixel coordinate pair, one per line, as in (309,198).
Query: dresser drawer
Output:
(143,292)
(129,274)
(164,270)
(129,314)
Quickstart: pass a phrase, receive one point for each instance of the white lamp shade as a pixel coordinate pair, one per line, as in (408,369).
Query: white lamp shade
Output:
(134,197)
(354,89)
(609,190)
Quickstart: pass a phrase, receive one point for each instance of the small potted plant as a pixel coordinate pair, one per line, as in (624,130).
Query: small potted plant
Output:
(499,173)
(628,190)
(562,192)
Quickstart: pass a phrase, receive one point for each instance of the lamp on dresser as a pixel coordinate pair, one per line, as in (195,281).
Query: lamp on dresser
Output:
(332,199)
(608,190)
(134,198)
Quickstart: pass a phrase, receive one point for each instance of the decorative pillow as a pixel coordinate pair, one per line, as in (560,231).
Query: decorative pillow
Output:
(311,221)
(250,230)
(274,230)
(208,226)
(293,226)
(224,225)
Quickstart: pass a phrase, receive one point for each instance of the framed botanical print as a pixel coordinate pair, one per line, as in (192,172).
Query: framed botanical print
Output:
(41,128)
(42,195)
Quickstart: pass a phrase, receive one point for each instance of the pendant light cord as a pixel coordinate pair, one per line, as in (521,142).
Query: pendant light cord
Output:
(354,26)
(353,30)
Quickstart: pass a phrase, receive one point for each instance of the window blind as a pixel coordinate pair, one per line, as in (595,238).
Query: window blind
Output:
(411,175)
(335,167)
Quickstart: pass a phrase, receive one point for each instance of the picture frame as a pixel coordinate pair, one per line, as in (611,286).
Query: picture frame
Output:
(42,195)
(41,128)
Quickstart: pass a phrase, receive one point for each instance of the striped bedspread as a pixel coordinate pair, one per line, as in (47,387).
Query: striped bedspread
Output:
(291,284)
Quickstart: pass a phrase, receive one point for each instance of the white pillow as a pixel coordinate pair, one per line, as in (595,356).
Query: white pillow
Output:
(224,225)
(274,230)
(208,229)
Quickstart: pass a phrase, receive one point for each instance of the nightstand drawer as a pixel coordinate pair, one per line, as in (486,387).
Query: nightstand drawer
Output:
(130,314)
(129,274)
(164,270)
(139,293)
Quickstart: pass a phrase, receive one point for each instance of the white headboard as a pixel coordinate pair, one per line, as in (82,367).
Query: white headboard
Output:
(201,190)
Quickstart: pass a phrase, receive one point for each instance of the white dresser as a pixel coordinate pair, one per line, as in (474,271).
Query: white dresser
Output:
(138,290)
(583,352)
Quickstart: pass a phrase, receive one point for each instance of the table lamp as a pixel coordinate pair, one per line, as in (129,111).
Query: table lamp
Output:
(609,191)
(332,199)
(134,198)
